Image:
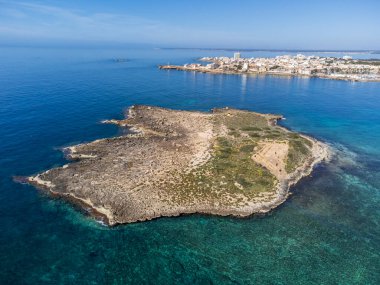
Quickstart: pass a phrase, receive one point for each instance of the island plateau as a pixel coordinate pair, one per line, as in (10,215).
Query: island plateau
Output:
(344,68)
(169,162)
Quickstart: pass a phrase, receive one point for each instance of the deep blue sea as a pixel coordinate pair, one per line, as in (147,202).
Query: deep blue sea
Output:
(328,232)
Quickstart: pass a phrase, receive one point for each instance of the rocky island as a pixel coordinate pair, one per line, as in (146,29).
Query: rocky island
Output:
(226,162)
(344,68)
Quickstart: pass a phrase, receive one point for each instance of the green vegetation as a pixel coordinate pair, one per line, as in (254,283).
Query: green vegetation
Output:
(231,172)
(247,148)
(366,62)
(299,149)
(242,121)
(234,133)
(250,128)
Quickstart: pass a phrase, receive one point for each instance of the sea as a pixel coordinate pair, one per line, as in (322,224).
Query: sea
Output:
(327,232)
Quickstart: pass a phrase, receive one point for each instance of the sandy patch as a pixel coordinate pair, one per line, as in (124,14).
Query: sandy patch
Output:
(272,155)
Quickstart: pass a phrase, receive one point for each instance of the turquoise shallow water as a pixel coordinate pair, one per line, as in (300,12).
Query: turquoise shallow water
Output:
(326,233)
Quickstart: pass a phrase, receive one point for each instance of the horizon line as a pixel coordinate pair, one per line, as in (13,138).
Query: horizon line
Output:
(371,51)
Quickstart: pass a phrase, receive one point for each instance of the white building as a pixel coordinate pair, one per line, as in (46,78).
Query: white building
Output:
(245,67)
(236,55)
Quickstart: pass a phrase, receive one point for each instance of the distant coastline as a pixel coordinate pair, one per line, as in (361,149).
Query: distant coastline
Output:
(345,68)
(275,50)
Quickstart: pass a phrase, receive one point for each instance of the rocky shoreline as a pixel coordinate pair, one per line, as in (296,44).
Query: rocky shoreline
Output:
(228,162)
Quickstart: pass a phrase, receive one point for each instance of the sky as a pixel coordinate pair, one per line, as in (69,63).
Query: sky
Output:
(257,24)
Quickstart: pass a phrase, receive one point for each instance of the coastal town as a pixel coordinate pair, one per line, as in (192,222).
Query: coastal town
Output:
(344,68)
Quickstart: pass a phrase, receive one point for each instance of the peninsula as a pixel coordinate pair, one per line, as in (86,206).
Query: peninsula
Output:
(344,68)
(226,162)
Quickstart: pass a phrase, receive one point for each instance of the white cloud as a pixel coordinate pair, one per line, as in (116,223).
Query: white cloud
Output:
(24,19)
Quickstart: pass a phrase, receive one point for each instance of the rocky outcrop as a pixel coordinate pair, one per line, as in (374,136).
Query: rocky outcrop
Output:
(180,162)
